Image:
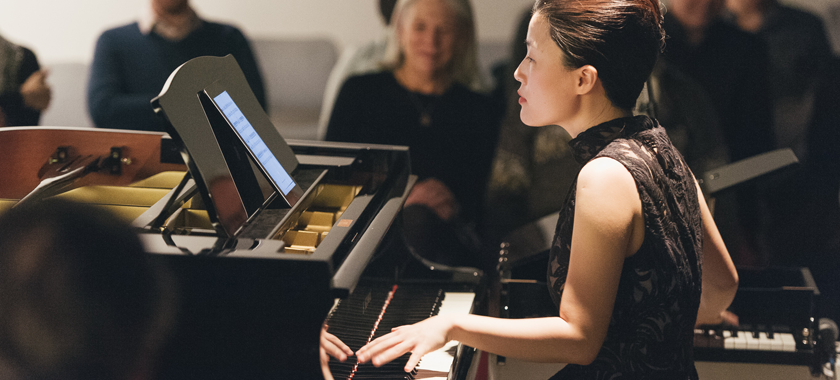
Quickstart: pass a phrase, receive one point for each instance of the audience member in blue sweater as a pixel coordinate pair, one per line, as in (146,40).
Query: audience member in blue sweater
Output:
(132,62)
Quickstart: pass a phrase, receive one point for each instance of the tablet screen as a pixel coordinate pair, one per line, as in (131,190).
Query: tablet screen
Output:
(272,167)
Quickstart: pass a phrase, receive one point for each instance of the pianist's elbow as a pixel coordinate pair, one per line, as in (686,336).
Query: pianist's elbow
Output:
(583,353)
(581,357)
(584,357)
(727,286)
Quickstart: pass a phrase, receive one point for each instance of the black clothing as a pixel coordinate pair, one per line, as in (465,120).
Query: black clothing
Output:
(457,147)
(797,47)
(651,331)
(11,102)
(451,137)
(731,65)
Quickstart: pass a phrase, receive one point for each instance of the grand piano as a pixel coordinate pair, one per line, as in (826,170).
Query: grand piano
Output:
(257,271)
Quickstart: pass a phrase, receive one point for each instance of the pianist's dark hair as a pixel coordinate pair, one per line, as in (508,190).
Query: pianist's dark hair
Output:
(620,38)
(79,297)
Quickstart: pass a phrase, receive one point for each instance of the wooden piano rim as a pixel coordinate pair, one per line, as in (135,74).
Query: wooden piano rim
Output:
(24,150)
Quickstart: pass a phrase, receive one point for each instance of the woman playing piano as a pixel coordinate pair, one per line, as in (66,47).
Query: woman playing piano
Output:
(635,239)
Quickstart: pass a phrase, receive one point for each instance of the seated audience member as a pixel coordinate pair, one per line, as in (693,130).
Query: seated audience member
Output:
(424,101)
(683,107)
(731,66)
(79,298)
(355,60)
(801,208)
(798,51)
(24,92)
(131,63)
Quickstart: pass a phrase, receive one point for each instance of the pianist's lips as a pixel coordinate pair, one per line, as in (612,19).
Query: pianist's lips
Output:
(521,98)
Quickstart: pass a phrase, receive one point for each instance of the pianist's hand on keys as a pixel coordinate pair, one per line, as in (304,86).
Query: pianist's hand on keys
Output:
(419,339)
(332,346)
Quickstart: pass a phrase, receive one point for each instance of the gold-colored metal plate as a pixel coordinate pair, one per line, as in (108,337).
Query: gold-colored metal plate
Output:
(317,221)
(162,180)
(6,204)
(127,213)
(336,197)
(301,241)
(116,195)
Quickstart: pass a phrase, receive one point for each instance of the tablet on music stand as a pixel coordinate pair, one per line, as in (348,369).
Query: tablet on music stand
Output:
(204,101)
(266,161)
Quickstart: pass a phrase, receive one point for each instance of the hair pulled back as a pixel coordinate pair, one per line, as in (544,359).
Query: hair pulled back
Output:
(620,38)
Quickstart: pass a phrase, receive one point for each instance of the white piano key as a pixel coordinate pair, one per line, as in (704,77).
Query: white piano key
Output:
(456,303)
(728,340)
(739,342)
(752,341)
(764,342)
(440,360)
(788,343)
(776,343)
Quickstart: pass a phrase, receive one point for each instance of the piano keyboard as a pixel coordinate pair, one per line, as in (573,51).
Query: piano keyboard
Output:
(745,340)
(754,345)
(371,312)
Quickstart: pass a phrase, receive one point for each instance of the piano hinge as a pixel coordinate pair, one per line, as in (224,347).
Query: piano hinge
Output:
(60,155)
(113,163)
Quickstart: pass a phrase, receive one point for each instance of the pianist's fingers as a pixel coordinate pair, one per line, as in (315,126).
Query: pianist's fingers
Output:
(325,364)
(419,339)
(334,347)
(729,318)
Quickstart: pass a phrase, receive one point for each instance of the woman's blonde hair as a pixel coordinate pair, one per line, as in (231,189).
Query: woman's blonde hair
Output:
(463,67)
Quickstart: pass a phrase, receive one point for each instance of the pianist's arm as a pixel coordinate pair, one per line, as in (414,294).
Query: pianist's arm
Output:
(720,279)
(608,227)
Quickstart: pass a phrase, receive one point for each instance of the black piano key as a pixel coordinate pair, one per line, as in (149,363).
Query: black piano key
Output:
(355,317)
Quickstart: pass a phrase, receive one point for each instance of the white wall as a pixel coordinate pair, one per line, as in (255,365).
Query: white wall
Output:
(66,30)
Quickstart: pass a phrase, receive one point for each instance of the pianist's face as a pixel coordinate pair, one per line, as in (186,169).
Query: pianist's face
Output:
(546,90)
(427,32)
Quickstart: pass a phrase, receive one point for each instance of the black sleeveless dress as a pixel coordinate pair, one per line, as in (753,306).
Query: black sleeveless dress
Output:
(650,334)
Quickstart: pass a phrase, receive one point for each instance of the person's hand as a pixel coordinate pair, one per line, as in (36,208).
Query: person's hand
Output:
(419,339)
(726,318)
(332,346)
(36,92)
(433,194)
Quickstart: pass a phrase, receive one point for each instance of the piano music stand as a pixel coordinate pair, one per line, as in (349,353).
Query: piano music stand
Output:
(248,314)
(230,183)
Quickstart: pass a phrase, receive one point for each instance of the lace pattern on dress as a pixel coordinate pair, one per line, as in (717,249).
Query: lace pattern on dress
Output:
(651,329)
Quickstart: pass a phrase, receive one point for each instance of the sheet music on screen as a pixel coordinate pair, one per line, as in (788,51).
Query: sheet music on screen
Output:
(255,143)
